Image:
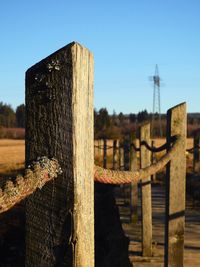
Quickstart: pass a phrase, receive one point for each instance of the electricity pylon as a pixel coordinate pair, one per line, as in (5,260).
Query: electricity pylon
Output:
(156,115)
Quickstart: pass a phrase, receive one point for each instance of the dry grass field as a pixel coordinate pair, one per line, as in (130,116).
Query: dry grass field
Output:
(12,155)
(98,152)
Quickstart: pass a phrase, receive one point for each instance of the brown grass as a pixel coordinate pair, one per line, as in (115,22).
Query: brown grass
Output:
(12,155)
(12,133)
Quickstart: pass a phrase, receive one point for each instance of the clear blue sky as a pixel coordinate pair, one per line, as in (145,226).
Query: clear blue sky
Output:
(127,37)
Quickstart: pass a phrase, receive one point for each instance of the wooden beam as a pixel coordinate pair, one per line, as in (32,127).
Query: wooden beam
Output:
(153,160)
(175,190)
(104,153)
(114,154)
(134,187)
(59,123)
(145,160)
(196,157)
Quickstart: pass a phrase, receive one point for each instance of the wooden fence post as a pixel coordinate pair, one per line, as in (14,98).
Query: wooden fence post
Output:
(134,187)
(153,160)
(121,156)
(126,154)
(104,153)
(145,160)
(114,154)
(59,123)
(196,154)
(126,187)
(175,190)
(96,150)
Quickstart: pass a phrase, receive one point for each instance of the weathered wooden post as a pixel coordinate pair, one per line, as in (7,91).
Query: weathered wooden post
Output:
(59,123)
(126,144)
(126,187)
(175,190)
(96,149)
(153,160)
(134,187)
(104,153)
(196,154)
(99,148)
(145,160)
(121,156)
(114,154)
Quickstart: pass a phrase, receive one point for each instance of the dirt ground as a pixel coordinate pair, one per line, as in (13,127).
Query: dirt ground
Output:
(192,233)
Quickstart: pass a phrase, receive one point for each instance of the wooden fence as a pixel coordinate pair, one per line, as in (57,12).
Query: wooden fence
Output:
(59,124)
(174,221)
(195,152)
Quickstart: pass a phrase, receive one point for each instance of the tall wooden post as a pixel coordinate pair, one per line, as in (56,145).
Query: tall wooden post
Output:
(126,187)
(145,160)
(99,148)
(96,148)
(126,155)
(153,160)
(59,123)
(134,187)
(114,154)
(175,190)
(104,153)
(121,156)
(196,154)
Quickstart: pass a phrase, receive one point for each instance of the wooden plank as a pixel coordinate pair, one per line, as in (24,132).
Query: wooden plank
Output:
(145,160)
(126,154)
(114,154)
(153,160)
(96,149)
(104,153)
(121,156)
(196,154)
(100,148)
(175,190)
(134,187)
(59,123)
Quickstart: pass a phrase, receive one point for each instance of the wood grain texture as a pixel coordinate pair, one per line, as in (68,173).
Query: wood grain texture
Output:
(134,187)
(145,160)
(59,123)
(104,153)
(153,159)
(126,145)
(196,157)
(121,156)
(114,154)
(175,190)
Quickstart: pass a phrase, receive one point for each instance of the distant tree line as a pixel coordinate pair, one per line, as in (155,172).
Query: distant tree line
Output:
(10,118)
(106,125)
(119,125)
